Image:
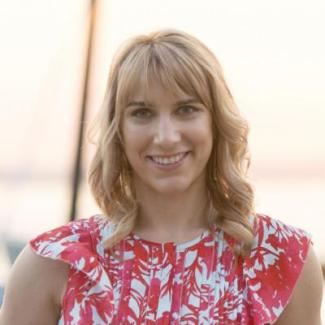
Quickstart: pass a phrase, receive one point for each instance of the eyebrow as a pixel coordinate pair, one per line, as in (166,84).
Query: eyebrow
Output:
(178,103)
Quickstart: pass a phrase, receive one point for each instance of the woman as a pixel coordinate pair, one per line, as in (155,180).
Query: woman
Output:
(179,241)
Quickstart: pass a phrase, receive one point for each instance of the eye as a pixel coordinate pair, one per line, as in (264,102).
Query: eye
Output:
(187,109)
(141,113)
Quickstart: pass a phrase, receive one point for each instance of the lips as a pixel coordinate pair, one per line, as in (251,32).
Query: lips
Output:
(168,159)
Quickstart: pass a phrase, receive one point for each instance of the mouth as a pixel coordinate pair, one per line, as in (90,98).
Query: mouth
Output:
(171,160)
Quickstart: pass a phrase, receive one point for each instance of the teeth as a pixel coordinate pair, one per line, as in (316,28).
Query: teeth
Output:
(168,161)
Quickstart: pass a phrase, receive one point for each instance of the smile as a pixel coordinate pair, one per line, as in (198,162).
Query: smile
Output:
(171,160)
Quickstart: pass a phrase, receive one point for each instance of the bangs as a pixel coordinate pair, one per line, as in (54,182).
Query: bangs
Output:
(173,67)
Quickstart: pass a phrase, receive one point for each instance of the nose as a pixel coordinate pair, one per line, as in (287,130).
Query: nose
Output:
(167,133)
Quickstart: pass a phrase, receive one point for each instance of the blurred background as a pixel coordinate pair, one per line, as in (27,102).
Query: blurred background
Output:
(54,61)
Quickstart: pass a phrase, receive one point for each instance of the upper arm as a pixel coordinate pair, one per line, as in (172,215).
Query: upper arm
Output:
(32,291)
(305,304)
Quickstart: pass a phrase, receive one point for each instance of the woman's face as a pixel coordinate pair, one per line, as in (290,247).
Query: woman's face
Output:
(167,139)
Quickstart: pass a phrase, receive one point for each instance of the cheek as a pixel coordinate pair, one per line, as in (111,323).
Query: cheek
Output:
(135,139)
(201,134)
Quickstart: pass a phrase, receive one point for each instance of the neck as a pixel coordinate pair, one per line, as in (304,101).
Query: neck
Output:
(180,215)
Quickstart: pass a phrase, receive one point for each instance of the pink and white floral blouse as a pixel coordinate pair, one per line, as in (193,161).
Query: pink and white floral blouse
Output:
(196,282)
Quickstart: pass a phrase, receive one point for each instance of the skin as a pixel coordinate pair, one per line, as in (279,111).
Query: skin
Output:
(305,304)
(36,286)
(163,126)
(34,290)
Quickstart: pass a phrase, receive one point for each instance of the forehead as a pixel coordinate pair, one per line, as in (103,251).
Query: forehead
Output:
(154,91)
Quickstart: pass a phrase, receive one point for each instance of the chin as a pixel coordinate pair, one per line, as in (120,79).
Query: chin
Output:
(175,188)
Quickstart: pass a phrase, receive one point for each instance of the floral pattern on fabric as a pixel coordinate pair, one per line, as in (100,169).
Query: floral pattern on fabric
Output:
(197,282)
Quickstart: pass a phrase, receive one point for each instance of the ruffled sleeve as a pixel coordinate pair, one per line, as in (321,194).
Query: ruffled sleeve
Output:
(273,267)
(79,244)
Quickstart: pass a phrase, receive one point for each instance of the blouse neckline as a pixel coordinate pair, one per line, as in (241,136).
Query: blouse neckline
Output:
(179,246)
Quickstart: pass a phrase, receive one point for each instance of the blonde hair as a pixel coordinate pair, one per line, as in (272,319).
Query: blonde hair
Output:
(179,61)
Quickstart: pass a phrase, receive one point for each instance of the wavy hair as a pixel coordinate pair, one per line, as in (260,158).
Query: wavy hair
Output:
(179,61)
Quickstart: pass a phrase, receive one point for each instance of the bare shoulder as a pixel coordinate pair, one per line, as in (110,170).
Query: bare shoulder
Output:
(35,287)
(305,304)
